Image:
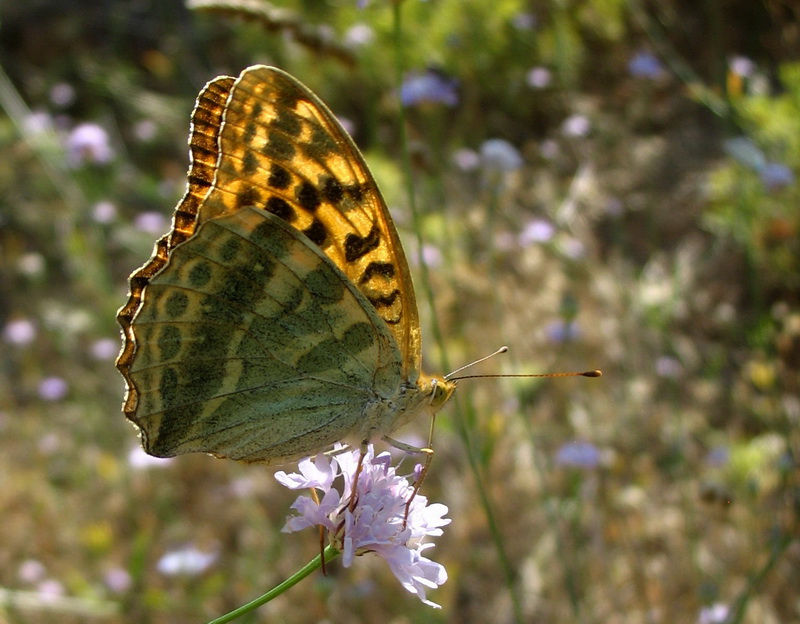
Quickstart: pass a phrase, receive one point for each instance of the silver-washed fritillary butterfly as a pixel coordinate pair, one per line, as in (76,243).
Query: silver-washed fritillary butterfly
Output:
(278,315)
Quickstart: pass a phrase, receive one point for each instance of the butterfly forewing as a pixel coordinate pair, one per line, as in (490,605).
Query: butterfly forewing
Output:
(283,151)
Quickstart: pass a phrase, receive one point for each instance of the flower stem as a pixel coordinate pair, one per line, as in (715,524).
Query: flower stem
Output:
(330,553)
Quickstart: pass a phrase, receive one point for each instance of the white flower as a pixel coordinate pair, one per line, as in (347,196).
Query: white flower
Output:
(189,561)
(373,518)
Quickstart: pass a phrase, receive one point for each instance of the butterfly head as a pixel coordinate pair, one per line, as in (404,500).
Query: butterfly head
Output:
(439,391)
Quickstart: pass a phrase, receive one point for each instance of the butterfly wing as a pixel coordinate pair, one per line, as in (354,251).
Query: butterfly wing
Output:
(204,153)
(282,151)
(252,345)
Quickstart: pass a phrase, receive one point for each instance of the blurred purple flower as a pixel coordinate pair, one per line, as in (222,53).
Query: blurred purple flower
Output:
(432,256)
(576,126)
(31,571)
(104,212)
(539,77)
(524,21)
(746,152)
(718,456)
(104,349)
(118,580)
(499,156)
(429,87)
(53,388)
(145,130)
(742,66)
(88,143)
(62,94)
(377,522)
(562,331)
(775,176)
(573,248)
(537,231)
(645,65)
(189,561)
(151,222)
(19,332)
(49,589)
(466,159)
(549,149)
(668,367)
(579,454)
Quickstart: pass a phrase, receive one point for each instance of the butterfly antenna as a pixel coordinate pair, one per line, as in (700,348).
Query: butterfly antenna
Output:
(449,376)
(483,359)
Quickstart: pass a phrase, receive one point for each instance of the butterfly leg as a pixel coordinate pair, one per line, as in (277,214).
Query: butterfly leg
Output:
(408,448)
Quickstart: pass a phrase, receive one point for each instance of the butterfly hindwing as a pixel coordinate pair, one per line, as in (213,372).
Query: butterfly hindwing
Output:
(253,345)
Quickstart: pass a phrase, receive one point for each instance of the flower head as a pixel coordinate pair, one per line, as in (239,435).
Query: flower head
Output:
(88,143)
(429,87)
(370,516)
(645,65)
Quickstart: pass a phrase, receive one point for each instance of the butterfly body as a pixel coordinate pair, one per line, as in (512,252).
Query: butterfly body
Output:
(278,316)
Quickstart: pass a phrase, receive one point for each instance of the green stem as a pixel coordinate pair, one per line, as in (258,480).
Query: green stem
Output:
(330,553)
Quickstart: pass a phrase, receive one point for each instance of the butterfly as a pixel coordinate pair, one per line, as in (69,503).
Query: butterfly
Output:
(278,315)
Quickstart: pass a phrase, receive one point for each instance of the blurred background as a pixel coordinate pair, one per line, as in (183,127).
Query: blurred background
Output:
(600,183)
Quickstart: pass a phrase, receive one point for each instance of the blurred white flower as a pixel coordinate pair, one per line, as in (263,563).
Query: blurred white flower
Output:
(539,78)
(576,126)
(31,265)
(189,561)
(38,122)
(359,34)
(715,614)
(138,459)
(19,332)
